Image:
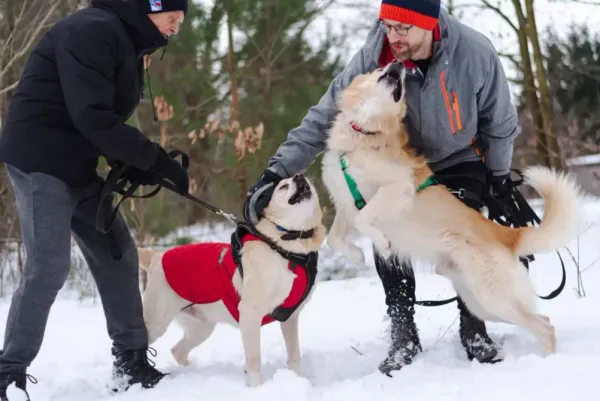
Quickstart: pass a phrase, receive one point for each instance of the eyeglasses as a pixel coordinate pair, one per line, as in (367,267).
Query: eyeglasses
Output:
(399,29)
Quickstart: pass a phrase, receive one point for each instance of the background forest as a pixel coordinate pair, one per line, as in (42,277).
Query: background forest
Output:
(242,73)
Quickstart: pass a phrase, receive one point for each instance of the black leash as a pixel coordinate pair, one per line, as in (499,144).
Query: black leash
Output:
(117,181)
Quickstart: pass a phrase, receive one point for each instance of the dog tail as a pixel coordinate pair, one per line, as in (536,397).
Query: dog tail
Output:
(145,256)
(561,196)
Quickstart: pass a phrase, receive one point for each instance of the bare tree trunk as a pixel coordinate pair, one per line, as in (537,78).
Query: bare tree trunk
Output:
(529,85)
(555,159)
(241,170)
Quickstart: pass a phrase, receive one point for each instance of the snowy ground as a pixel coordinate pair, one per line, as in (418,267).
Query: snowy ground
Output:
(342,337)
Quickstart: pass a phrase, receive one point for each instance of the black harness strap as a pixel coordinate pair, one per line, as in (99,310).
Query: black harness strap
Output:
(308,261)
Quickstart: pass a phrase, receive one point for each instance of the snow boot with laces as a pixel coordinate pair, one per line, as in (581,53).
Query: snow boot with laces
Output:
(19,378)
(133,367)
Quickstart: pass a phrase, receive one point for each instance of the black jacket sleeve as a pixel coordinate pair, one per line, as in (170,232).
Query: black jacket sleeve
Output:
(86,59)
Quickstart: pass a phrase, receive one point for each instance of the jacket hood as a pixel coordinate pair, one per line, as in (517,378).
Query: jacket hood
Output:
(144,34)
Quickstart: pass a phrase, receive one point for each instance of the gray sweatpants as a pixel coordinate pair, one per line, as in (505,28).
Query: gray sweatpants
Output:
(49,212)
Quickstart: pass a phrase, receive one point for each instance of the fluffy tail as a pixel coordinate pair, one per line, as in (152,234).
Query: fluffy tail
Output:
(561,203)
(145,256)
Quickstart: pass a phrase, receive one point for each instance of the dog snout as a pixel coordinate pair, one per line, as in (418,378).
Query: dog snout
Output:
(393,72)
(300,181)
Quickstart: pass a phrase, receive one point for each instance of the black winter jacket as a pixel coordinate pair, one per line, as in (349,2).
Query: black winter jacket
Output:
(82,81)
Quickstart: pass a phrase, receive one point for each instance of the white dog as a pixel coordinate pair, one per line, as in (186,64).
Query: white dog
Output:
(200,285)
(368,142)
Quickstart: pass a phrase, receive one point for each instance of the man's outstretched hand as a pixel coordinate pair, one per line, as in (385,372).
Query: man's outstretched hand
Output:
(259,195)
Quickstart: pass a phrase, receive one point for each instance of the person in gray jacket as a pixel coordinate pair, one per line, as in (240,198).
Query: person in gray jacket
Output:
(458,104)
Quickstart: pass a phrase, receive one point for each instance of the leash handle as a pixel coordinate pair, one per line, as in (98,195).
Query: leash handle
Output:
(117,181)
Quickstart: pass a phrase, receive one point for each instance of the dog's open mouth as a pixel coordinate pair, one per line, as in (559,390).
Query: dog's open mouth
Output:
(303,191)
(393,78)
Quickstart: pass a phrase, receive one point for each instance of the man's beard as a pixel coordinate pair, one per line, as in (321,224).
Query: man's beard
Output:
(407,51)
(402,55)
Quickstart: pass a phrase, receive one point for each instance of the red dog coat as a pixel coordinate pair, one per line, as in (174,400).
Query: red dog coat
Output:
(202,274)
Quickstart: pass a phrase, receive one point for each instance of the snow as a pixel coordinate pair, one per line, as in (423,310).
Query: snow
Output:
(342,338)
(584,160)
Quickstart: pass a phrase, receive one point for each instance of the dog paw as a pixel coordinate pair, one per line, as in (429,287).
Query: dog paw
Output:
(295,367)
(252,379)
(180,357)
(355,255)
(384,247)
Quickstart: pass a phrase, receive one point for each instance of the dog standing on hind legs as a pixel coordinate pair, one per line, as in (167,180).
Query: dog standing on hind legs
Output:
(407,213)
(200,285)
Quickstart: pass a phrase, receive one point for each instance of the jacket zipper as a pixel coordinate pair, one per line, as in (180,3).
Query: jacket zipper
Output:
(447,101)
(456,107)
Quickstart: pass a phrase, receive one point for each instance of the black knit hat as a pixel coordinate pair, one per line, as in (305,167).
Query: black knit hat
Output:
(161,6)
(421,13)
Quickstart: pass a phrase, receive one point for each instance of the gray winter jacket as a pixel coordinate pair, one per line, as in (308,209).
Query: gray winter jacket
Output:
(464,94)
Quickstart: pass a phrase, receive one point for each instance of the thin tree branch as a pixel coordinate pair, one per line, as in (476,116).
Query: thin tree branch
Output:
(501,14)
(10,87)
(31,37)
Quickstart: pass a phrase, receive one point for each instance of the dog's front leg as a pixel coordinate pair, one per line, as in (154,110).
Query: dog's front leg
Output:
(250,324)
(289,329)
(337,239)
(388,204)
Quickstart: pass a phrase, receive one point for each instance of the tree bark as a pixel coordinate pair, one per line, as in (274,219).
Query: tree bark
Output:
(231,65)
(553,150)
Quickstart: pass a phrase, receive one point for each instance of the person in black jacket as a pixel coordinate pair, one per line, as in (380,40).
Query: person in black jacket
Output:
(81,83)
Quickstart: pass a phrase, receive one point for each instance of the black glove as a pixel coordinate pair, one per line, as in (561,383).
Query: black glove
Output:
(141,177)
(170,169)
(500,185)
(259,195)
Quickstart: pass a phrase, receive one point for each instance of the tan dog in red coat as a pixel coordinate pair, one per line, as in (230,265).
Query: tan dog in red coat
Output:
(200,285)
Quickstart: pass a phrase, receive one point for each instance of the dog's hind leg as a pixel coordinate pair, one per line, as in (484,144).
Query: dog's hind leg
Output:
(161,304)
(541,328)
(337,239)
(195,332)
(289,329)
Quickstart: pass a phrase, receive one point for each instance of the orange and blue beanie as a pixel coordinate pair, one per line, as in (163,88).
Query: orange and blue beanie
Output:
(421,13)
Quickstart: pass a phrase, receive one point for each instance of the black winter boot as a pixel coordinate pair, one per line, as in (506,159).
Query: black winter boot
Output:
(132,367)
(20,380)
(474,337)
(399,286)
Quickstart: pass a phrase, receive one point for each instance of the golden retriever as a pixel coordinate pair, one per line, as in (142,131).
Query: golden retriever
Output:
(200,285)
(479,256)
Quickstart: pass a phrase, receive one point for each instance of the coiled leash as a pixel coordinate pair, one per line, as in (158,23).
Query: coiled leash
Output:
(117,180)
